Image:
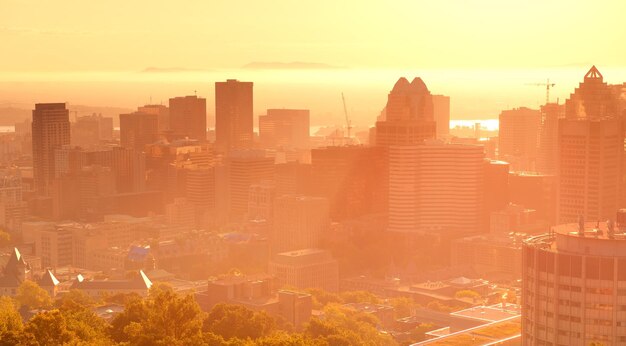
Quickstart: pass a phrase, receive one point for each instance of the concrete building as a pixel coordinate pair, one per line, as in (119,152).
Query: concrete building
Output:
(162,113)
(261,201)
(408,118)
(233,115)
(91,130)
(244,169)
(548,151)
(138,130)
(574,285)
(258,293)
(99,288)
(535,191)
(591,152)
(298,222)
(436,187)
(352,178)
(519,138)
(13,209)
(51,130)
(306,268)
(284,128)
(441,112)
(188,117)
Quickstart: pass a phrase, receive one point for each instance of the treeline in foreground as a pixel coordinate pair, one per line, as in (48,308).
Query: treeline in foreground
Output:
(167,318)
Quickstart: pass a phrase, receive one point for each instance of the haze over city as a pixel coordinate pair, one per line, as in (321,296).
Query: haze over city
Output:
(325,173)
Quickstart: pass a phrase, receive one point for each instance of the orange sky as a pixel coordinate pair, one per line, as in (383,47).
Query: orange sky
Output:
(79,40)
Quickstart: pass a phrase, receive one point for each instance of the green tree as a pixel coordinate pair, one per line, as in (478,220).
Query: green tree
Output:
(81,320)
(322,297)
(403,306)
(467,294)
(164,318)
(10,319)
(234,321)
(343,326)
(360,297)
(32,296)
(49,328)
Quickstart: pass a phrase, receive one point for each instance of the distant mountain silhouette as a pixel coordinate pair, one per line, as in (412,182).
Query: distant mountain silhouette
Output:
(171,70)
(295,65)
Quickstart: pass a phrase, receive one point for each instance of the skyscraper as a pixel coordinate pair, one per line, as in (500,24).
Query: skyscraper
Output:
(138,129)
(591,152)
(162,112)
(519,137)
(51,130)
(441,111)
(233,115)
(188,117)
(285,128)
(408,117)
(436,187)
(299,222)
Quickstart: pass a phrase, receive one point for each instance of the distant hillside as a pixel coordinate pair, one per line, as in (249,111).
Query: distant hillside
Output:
(10,115)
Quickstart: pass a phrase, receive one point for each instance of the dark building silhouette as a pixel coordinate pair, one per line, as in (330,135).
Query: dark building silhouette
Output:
(188,117)
(138,129)
(233,115)
(51,130)
(351,178)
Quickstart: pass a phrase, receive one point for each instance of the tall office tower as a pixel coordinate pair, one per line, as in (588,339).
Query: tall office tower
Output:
(573,281)
(293,178)
(91,130)
(233,115)
(408,117)
(188,117)
(593,99)
(138,130)
(128,165)
(284,128)
(200,192)
(496,191)
(352,178)
(261,201)
(51,130)
(13,209)
(441,111)
(162,113)
(535,191)
(436,187)
(519,137)
(298,223)
(245,168)
(591,153)
(547,157)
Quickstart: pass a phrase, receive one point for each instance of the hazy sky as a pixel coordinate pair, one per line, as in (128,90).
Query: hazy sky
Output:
(70,40)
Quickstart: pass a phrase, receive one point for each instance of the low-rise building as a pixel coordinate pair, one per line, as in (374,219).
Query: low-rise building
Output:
(306,268)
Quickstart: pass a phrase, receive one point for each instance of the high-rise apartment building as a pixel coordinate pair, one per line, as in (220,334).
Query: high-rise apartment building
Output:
(548,151)
(519,138)
(408,118)
(138,130)
(436,187)
(298,222)
(284,128)
(51,130)
(233,115)
(188,117)
(574,285)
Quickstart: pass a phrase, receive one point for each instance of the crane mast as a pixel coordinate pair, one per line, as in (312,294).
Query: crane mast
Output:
(345,112)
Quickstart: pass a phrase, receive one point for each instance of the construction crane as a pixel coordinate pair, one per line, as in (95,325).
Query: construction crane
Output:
(345,111)
(548,85)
